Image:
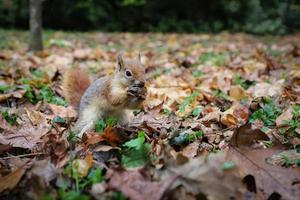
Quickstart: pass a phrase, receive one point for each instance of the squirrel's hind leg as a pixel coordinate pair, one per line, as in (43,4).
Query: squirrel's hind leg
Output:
(86,120)
(85,128)
(123,116)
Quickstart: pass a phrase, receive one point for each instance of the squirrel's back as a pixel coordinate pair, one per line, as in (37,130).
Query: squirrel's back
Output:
(74,84)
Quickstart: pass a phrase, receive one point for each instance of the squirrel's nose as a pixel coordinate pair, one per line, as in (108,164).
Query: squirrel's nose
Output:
(139,83)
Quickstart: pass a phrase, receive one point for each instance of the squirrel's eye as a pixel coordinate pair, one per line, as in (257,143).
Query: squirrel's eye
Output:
(128,73)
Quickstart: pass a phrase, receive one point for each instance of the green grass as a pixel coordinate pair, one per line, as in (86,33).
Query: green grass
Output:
(217,59)
(268,113)
(10,118)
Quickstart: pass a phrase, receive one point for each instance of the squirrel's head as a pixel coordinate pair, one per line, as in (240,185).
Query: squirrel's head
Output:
(131,72)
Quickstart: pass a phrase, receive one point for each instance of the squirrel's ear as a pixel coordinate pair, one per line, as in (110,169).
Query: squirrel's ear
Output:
(120,61)
(140,57)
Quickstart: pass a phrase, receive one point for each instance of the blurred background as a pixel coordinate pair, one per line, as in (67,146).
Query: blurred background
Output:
(252,16)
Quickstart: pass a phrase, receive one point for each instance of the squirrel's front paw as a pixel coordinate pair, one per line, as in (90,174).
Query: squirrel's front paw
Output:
(139,92)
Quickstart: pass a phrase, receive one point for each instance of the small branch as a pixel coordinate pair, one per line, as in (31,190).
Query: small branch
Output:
(20,156)
(172,86)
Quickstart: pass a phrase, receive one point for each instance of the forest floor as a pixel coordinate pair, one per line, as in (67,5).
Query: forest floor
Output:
(220,121)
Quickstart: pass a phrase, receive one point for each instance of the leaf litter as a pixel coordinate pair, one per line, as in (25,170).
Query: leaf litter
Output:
(220,121)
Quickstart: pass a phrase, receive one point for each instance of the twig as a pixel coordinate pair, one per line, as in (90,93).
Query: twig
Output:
(172,86)
(20,156)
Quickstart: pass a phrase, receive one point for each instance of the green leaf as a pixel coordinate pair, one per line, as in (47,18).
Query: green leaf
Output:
(238,80)
(59,120)
(167,111)
(72,137)
(217,59)
(100,125)
(117,196)
(267,114)
(296,110)
(58,101)
(111,121)
(185,138)
(75,195)
(47,197)
(268,144)
(286,159)
(10,118)
(228,165)
(133,157)
(265,129)
(136,143)
(5,88)
(196,112)
(199,134)
(136,112)
(198,73)
(46,94)
(135,152)
(188,101)
(95,176)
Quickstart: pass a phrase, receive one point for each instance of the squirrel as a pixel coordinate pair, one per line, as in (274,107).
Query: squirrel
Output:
(111,95)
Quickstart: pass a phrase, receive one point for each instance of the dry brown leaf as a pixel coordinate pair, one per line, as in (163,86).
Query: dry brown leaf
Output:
(266,89)
(191,150)
(229,120)
(9,181)
(237,93)
(56,145)
(136,186)
(269,179)
(26,135)
(246,136)
(111,135)
(5,125)
(285,116)
(34,116)
(83,165)
(98,189)
(241,112)
(62,111)
(215,115)
(82,54)
(16,94)
(44,169)
(288,157)
(206,175)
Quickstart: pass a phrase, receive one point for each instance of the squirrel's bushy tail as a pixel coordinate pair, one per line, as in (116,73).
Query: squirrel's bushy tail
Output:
(74,84)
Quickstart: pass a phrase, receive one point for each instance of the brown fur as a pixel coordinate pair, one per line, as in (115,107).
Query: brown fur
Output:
(75,82)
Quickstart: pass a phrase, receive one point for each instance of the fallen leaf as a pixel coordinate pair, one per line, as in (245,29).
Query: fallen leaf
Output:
(82,54)
(61,111)
(191,150)
(246,136)
(83,165)
(136,186)
(237,93)
(288,157)
(241,112)
(284,117)
(43,169)
(206,175)
(27,135)
(98,189)
(266,89)
(269,179)
(229,120)
(16,94)
(34,116)
(111,136)
(9,181)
